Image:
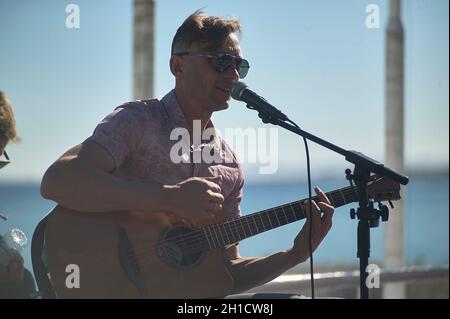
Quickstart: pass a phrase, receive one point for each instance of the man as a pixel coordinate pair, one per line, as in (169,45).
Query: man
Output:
(127,164)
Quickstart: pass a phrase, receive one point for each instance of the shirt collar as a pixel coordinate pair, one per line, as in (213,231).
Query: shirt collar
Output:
(177,118)
(174,111)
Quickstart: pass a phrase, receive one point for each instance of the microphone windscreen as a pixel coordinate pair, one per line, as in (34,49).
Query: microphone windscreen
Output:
(237,89)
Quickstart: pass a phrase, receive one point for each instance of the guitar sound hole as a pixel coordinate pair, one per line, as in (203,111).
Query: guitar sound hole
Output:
(182,247)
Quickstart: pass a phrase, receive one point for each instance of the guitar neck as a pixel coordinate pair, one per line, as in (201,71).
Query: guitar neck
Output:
(238,229)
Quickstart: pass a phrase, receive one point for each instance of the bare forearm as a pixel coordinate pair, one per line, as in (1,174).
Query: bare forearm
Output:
(251,272)
(81,187)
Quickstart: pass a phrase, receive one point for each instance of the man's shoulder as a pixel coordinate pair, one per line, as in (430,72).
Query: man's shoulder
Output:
(142,110)
(146,106)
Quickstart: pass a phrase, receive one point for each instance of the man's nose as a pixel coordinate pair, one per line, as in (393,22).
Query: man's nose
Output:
(232,72)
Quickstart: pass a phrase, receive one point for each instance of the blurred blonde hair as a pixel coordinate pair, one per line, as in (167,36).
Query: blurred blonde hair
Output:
(7,122)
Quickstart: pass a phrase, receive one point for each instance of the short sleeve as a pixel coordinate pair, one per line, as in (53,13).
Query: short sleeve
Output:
(233,201)
(120,132)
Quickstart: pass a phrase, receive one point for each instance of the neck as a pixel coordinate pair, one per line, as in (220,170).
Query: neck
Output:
(192,109)
(235,230)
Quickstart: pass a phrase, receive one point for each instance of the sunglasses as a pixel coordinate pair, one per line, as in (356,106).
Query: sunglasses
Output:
(3,163)
(222,61)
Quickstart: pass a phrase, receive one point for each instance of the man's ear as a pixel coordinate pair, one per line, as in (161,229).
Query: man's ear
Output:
(176,66)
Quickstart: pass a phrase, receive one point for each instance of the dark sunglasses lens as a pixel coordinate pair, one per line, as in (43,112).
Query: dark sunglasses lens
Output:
(243,68)
(222,62)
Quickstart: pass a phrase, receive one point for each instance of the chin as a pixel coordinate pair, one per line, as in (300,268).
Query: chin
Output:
(220,106)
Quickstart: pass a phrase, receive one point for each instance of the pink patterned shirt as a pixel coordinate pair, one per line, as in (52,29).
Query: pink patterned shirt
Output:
(137,135)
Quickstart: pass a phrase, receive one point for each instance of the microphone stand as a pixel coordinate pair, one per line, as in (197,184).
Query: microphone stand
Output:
(368,216)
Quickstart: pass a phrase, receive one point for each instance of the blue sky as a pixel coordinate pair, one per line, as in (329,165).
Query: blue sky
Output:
(316,60)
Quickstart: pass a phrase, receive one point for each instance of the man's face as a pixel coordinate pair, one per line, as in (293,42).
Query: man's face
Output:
(205,85)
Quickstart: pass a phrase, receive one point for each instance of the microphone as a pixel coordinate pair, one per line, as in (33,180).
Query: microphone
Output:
(241,92)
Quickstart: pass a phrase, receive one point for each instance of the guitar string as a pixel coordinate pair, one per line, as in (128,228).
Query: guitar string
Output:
(198,237)
(199,233)
(198,248)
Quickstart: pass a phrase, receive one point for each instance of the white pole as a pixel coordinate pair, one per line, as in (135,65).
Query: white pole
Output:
(394,242)
(143,51)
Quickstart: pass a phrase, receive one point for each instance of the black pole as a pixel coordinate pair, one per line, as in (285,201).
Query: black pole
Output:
(364,213)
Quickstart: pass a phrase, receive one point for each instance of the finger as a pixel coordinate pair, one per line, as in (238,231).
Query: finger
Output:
(316,214)
(314,207)
(326,208)
(212,185)
(322,196)
(328,211)
(327,218)
(215,197)
(213,179)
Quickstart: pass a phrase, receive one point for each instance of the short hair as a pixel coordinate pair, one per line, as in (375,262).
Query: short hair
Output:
(7,122)
(208,31)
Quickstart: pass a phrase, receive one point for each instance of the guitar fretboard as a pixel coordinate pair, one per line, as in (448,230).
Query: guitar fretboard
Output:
(235,230)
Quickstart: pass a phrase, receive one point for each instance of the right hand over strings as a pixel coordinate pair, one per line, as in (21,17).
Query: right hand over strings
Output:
(196,197)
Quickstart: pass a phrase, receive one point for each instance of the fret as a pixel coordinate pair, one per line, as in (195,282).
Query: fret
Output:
(334,199)
(280,215)
(224,229)
(235,230)
(254,221)
(330,197)
(245,234)
(293,212)
(221,235)
(302,211)
(212,237)
(285,216)
(348,194)
(231,232)
(276,215)
(206,235)
(272,218)
(260,217)
(248,225)
(343,197)
(268,217)
(215,233)
(299,210)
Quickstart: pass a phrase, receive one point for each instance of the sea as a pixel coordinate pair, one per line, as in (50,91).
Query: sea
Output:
(426,220)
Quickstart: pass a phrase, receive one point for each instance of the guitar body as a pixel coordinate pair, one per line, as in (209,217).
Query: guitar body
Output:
(130,255)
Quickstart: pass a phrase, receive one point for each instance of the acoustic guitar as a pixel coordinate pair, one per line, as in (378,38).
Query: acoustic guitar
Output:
(158,255)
